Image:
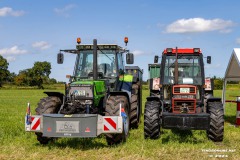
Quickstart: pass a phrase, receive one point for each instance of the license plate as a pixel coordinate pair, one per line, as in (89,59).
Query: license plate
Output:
(67,126)
(82,92)
(184,90)
(79,93)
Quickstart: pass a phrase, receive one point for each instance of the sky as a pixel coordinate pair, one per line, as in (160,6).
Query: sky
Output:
(32,30)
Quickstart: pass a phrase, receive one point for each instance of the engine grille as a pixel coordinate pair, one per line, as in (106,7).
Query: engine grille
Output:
(180,104)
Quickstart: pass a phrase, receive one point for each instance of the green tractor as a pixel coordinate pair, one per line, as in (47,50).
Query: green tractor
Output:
(98,98)
(182,98)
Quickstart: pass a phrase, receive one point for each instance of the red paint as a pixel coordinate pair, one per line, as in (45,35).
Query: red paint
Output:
(105,128)
(238,118)
(87,130)
(182,51)
(49,129)
(111,122)
(36,124)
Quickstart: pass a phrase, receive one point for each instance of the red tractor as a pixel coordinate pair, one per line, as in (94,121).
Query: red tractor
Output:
(181,98)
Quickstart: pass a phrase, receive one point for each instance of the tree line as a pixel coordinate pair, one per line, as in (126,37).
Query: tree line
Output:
(35,76)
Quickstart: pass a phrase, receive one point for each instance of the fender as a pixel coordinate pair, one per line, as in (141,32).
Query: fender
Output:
(213,99)
(153,98)
(55,94)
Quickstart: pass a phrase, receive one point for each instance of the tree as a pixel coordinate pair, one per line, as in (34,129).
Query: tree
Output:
(3,70)
(35,76)
(218,82)
(11,77)
(39,73)
(42,69)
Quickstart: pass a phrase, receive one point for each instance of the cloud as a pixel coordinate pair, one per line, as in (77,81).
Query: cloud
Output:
(10,59)
(41,45)
(194,25)
(138,53)
(64,11)
(12,51)
(238,40)
(7,11)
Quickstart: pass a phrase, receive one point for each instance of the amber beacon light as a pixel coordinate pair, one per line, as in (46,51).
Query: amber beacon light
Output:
(126,40)
(78,40)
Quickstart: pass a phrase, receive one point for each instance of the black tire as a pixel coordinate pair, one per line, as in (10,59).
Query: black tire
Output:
(47,105)
(135,107)
(152,119)
(216,130)
(113,109)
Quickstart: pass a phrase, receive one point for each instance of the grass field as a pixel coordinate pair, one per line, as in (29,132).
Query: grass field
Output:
(15,143)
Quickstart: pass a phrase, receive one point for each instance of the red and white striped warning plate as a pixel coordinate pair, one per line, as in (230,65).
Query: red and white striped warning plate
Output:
(35,125)
(109,124)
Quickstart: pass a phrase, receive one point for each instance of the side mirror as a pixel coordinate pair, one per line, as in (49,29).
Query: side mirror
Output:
(129,58)
(209,59)
(156,59)
(60,58)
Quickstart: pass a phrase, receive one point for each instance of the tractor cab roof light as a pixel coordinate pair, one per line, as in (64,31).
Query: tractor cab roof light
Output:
(169,50)
(196,50)
(126,40)
(78,40)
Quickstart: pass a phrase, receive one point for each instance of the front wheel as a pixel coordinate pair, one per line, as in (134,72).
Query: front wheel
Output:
(47,105)
(152,121)
(216,130)
(113,109)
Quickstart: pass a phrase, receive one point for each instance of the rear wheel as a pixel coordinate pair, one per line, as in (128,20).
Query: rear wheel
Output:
(113,109)
(152,120)
(135,107)
(47,105)
(216,130)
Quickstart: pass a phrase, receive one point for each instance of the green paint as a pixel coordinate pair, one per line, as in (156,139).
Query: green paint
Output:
(154,70)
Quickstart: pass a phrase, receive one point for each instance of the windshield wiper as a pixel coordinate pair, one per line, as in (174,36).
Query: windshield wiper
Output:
(105,54)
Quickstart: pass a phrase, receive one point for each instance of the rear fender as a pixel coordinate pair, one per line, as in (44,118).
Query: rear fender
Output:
(55,94)
(153,98)
(213,99)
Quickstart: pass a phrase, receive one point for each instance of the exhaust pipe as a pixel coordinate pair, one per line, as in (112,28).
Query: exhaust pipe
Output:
(95,66)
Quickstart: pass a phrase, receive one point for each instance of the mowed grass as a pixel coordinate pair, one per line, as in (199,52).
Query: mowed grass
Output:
(15,143)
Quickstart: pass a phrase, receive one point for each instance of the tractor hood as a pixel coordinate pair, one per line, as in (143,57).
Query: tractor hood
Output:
(99,86)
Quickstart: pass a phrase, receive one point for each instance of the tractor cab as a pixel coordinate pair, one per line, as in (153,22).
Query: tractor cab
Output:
(110,63)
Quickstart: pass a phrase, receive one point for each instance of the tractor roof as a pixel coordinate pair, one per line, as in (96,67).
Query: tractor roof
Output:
(100,46)
(182,51)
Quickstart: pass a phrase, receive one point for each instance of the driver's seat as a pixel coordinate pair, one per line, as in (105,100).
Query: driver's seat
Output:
(104,68)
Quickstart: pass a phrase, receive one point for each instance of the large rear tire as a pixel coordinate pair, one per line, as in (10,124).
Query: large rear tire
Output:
(152,122)
(216,130)
(135,107)
(47,105)
(113,109)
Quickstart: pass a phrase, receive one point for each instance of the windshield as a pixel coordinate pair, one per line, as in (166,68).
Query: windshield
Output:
(189,70)
(106,64)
